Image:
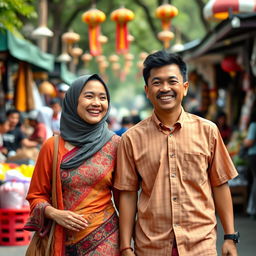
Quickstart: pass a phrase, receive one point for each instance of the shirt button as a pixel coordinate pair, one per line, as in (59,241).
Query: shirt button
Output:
(172,155)
(173,175)
(174,198)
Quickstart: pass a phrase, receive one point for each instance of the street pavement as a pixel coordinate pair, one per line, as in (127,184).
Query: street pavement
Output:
(246,247)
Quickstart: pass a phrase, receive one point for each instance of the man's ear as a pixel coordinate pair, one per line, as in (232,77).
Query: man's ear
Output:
(146,89)
(186,86)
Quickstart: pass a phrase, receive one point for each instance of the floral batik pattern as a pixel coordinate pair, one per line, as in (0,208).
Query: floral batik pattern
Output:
(79,182)
(102,241)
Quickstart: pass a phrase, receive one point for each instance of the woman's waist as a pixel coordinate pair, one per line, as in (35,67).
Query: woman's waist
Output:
(95,219)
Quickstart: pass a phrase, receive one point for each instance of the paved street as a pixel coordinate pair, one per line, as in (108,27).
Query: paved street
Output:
(247,246)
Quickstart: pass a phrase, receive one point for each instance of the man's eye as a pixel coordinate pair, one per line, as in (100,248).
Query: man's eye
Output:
(88,96)
(156,83)
(103,98)
(173,82)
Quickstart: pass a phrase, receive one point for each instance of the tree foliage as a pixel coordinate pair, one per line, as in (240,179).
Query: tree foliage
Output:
(12,11)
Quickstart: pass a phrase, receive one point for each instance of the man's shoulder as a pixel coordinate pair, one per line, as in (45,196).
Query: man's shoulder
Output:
(200,120)
(141,127)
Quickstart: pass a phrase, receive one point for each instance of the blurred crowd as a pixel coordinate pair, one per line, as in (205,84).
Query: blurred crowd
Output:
(22,134)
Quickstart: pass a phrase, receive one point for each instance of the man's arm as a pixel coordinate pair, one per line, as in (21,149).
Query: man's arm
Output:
(224,207)
(127,213)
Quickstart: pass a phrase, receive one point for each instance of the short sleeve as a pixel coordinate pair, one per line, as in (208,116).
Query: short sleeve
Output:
(126,176)
(221,167)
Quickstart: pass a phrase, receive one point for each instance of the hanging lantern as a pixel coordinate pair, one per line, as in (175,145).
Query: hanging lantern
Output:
(93,18)
(103,39)
(165,13)
(76,53)
(229,64)
(86,58)
(47,88)
(113,58)
(70,38)
(166,36)
(122,16)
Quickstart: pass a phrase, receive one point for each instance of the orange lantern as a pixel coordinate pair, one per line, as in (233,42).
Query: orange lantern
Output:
(93,18)
(165,13)
(122,16)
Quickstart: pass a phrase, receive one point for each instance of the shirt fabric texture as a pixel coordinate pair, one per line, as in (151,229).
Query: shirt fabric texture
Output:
(176,170)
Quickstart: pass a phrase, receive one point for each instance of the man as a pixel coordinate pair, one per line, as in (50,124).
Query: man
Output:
(14,139)
(56,114)
(182,167)
(126,123)
(39,130)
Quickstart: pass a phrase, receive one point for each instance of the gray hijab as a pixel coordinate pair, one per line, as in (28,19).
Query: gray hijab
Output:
(90,138)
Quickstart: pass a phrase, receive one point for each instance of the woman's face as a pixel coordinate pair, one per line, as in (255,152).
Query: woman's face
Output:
(92,102)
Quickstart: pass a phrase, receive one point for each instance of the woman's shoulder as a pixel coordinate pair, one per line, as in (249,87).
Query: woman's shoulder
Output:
(115,139)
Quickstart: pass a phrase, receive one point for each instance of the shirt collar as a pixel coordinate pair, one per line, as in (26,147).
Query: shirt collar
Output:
(179,122)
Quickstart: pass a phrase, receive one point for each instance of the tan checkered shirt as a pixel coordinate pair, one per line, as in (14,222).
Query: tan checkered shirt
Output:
(176,169)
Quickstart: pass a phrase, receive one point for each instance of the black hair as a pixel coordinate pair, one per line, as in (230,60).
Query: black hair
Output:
(3,119)
(12,111)
(55,101)
(126,120)
(162,58)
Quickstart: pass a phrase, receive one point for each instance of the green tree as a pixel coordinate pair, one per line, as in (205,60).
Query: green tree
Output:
(12,13)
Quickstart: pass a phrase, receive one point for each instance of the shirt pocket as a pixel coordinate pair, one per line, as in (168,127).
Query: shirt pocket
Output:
(195,168)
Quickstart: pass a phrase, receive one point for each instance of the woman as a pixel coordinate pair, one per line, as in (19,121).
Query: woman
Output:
(86,220)
(250,143)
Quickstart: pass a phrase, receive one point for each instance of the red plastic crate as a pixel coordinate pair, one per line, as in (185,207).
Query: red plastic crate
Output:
(12,222)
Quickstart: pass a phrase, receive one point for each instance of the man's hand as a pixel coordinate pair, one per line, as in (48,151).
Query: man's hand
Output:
(229,248)
(128,252)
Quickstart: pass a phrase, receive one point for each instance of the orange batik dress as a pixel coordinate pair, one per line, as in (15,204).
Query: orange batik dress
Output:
(85,190)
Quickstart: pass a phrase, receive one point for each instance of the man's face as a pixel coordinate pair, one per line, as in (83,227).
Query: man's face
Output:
(13,119)
(166,88)
(4,127)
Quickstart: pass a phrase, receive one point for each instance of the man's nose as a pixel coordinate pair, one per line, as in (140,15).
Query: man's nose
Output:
(165,86)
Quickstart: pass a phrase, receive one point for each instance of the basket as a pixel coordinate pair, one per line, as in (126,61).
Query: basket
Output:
(12,222)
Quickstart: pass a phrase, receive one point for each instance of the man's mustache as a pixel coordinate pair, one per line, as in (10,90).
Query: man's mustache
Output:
(165,94)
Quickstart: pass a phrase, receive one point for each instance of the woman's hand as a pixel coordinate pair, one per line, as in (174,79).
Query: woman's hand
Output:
(66,219)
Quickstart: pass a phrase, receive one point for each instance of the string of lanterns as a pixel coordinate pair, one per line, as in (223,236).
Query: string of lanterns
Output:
(121,16)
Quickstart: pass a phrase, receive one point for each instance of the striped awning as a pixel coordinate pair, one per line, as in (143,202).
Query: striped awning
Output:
(219,9)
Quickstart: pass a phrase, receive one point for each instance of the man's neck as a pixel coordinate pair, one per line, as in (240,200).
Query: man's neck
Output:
(168,118)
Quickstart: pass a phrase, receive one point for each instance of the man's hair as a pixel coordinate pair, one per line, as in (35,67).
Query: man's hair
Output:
(3,119)
(162,58)
(12,111)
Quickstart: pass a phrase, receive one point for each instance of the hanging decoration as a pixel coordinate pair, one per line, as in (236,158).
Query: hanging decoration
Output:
(70,38)
(86,58)
(122,16)
(229,64)
(166,12)
(94,18)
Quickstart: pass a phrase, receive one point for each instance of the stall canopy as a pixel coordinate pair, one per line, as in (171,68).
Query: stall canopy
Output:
(25,51)
(228,35)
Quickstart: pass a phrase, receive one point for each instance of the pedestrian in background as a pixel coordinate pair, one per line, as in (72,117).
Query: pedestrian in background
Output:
(250,143)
